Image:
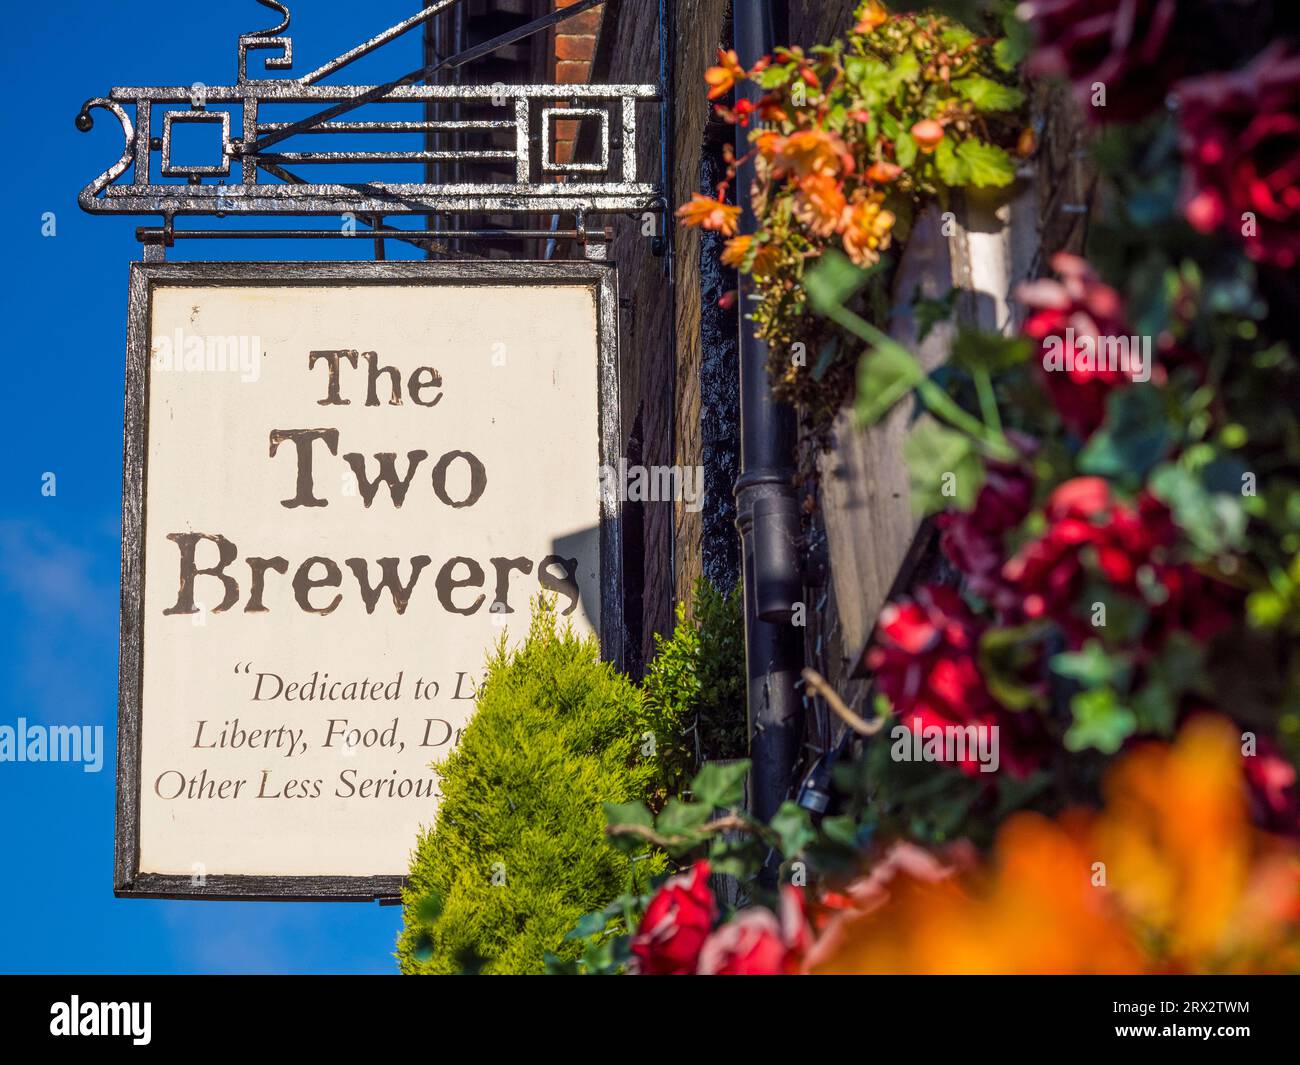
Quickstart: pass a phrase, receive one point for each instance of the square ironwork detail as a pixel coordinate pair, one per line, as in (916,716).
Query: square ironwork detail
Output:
(552,167)
(221,118)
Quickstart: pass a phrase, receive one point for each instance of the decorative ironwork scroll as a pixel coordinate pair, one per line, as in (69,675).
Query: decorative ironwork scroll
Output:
(252,171)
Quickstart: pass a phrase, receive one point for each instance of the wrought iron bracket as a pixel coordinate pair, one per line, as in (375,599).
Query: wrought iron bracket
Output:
(250,145)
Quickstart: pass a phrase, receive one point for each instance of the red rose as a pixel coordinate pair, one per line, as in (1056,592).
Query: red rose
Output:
(755,943)
(676,924)
(1132,47)
(1079,305)
(1241,140)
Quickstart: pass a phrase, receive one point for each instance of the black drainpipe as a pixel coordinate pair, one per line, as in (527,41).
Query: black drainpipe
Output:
(766,504)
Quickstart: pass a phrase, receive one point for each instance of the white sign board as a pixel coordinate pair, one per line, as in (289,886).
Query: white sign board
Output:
(344,483)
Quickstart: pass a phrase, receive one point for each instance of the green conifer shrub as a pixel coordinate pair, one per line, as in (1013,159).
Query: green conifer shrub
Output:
(518,852)
(695,689)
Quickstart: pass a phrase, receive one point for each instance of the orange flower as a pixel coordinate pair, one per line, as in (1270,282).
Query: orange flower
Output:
(735,251)
(927,133)
(770,109)
(738,249)
(882,172)
(866,228)
(1169,877)
(819,204)
(813,152)
(708,213)
(769,144)
(722,78)
(870,15)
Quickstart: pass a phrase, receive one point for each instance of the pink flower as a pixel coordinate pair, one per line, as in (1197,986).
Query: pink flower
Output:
(1064,311)
(756,943)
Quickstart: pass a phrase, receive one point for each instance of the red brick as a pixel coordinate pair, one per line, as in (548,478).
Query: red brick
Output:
(570,72)
(573,46)
(587,22)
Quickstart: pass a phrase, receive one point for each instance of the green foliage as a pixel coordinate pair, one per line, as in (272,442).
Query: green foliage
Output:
(694,691)
(518,853)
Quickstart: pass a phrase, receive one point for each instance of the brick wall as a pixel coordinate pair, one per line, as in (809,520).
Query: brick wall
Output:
(575,47)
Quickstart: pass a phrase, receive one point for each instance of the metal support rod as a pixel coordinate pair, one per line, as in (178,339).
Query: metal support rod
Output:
(766,505)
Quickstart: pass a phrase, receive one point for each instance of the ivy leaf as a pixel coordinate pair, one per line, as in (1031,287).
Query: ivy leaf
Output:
(1178,668)
(1132,439)
(628,813)
(1010,51)
(1100,722)
(680,818)
(832,283)
(1214,521)
(794,825)
(1092,667)
(720,784)
(590,924)
(886,374)
(975,349)
(987,164)
(842,830)
(988,95)
(944,468)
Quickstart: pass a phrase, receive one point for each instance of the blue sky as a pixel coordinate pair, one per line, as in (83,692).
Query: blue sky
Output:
(65,298)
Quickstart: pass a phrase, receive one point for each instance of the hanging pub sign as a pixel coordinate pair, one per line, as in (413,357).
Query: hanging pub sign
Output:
(344,482)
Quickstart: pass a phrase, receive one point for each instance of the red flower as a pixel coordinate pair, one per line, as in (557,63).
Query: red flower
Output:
(1132,47)
(1274,797)
(1241,139)
(1086,525)
(676,924)
(924,657)
(972,540)
(755,943)
(1077,306)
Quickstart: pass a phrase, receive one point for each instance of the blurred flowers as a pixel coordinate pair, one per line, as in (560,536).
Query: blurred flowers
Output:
(1168,877)
(925,661)
(1128,48)
(1241,140)
(722,78)
(709,213)
(1080,303)
(756,942)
